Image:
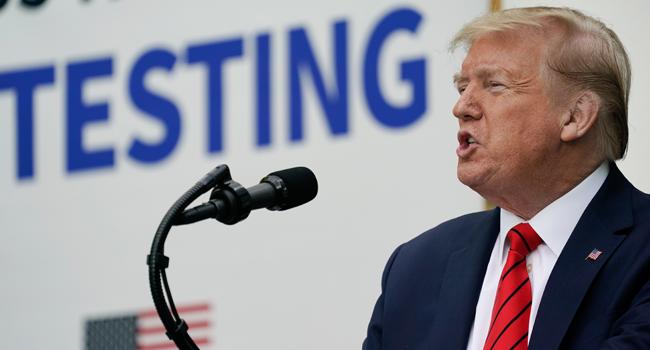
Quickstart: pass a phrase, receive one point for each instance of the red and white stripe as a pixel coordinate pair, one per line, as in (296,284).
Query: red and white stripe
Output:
(151,332)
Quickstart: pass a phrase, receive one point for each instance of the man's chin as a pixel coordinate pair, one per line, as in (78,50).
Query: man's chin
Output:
(475,180)
(469,176)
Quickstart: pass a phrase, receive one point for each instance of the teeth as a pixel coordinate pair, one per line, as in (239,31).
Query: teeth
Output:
(470,140)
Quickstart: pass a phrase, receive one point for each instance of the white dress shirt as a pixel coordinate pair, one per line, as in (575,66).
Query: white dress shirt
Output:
(554,225)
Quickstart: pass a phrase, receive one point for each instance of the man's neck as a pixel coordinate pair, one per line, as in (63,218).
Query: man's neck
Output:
(534,196)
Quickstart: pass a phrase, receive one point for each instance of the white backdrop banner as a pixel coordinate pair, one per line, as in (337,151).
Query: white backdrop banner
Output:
(110,110)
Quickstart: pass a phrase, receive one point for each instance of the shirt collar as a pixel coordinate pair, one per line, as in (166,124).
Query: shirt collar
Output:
(555,223)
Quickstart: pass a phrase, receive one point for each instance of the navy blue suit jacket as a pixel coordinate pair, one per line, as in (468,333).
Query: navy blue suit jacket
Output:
(431,284)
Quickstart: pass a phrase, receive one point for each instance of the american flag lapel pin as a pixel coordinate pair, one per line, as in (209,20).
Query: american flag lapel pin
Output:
(594,254)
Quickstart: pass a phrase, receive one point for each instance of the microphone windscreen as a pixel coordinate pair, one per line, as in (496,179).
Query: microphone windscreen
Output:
(301,185)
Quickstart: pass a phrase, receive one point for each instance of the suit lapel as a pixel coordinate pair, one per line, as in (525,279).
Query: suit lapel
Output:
(462,285)
(608,213)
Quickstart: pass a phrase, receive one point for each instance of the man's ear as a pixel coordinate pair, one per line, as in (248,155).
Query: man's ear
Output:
(581,117)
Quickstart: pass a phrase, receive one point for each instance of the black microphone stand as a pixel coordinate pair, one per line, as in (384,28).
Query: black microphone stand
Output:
(237,207)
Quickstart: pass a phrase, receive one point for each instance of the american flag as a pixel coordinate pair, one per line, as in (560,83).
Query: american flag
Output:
(144,330)
(594,254)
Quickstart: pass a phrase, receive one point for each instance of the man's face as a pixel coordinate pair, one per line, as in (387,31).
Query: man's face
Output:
(509,130)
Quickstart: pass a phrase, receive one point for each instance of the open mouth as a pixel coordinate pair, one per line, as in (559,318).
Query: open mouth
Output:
(466,142)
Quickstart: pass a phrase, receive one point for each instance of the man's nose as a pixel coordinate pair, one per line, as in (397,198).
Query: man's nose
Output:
(468,106)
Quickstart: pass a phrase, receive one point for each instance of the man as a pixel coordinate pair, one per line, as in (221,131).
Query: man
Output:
(543,116)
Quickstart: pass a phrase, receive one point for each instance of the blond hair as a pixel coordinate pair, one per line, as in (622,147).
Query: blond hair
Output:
(588,57)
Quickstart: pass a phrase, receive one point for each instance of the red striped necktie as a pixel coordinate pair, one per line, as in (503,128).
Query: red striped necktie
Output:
(511,312)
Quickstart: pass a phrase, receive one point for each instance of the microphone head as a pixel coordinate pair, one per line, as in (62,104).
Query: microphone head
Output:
(300,187)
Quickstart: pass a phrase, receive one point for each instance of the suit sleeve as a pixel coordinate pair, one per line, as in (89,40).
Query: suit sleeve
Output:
(632,329)
(375,328)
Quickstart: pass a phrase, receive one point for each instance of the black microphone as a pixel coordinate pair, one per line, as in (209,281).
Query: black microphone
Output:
(230,202)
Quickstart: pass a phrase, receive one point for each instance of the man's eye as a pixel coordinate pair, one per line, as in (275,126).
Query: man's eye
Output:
(495,84)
